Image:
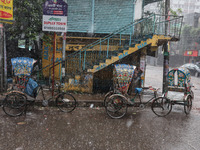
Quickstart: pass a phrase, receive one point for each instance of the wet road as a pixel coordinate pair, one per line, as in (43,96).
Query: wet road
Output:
(87,128)
(91,129)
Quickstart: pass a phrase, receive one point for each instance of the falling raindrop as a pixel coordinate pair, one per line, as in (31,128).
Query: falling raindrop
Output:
(129,123)
(92,105)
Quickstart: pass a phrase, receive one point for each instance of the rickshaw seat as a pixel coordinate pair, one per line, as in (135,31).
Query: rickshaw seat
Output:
(174,95)
(138,90)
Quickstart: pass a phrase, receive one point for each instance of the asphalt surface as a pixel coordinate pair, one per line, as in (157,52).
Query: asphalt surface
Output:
(90,128)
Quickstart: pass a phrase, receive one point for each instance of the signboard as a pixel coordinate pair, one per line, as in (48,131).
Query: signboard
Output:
(55,16)
(193,53)
(6,11)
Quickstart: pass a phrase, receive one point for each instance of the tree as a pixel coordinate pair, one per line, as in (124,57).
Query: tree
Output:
(27,22)
(177,12)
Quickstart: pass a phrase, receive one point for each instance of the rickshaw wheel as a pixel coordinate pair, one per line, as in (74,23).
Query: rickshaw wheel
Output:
(116,106)
(106,98)
(66,102)
(188,104)
(14,104)
(192,94)
(161,106)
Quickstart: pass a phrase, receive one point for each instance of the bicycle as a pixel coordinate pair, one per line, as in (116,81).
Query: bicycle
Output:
(116,104)
(16,102)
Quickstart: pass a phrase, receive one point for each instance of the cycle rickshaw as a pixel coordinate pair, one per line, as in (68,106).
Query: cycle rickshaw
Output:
(17,100)
(179,92)
(117,100)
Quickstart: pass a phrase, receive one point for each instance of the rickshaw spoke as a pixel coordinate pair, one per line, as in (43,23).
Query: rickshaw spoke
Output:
(116,106)
(161,106)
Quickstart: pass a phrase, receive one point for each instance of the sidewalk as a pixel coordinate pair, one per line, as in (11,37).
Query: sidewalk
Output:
(84,100)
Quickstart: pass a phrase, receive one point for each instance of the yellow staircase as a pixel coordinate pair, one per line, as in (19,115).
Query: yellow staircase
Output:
(153,42)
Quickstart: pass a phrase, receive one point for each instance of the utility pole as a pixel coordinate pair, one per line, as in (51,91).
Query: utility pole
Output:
(3,61)
(1,57)
(165,48)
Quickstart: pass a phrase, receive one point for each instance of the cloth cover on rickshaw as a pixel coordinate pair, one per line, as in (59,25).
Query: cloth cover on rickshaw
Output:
(178,83)
(122,75)
(22,68)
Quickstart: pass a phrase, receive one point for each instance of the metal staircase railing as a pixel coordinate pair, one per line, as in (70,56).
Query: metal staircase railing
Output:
(116,42)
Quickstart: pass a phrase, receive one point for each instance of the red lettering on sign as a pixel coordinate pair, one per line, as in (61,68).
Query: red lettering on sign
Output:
(61,23)
(58,12)
(48,22)
(6,1)
(4,14)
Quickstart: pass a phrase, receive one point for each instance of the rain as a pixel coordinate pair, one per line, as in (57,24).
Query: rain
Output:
(99,74)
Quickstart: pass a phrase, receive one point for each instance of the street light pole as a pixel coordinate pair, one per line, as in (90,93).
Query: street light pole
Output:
(165,48)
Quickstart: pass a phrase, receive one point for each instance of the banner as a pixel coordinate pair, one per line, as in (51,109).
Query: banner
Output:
(6,11)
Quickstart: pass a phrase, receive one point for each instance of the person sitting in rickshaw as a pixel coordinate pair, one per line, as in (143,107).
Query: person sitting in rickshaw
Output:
(135,81)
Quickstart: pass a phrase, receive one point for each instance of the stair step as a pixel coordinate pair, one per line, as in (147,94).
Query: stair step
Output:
(90,70)
(120,54)
(108,61)
(95,66)
(115,58)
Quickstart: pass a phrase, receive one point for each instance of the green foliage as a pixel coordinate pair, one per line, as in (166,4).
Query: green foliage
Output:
(47,38)
(178,12)
(161,5)
(27,19)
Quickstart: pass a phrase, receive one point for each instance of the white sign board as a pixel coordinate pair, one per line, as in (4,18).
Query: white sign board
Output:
(54,23)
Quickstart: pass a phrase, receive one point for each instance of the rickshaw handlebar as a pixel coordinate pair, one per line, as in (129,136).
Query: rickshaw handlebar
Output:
(151,88)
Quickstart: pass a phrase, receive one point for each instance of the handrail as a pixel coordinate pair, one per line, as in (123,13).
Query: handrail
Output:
(88,46)
(153,24)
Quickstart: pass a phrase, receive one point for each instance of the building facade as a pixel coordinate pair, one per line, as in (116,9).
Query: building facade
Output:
(103,33)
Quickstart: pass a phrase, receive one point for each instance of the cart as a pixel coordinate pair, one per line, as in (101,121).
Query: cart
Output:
(117,100)
(22,68)
(179,92)
(16,101)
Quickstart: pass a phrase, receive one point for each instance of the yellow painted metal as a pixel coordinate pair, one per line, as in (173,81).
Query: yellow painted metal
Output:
(154,44)
(87,87)
(47,59)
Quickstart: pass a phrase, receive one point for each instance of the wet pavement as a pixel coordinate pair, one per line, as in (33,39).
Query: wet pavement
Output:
(90,128)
